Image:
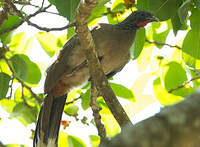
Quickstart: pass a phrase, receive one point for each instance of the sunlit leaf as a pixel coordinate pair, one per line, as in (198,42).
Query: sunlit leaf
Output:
(23,114)
(15,145)
(95,140)
(158,31)
(71,110)
(4,67)
(4,84)
(74,141)
(162,94)
(97,12)
(111,125)
(85,103)
(18,42)
(101,103)
(62,141)
(48,42)
(7,104)
(145,58)
(119,12)
(173,75)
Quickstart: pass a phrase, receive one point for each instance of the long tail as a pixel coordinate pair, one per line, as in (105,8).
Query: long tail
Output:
(48,123)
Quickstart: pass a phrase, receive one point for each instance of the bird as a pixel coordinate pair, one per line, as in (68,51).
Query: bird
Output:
(70,70)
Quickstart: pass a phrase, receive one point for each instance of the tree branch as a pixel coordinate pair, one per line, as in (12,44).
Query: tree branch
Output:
(161,44)
(174,126)
(181,86)
(87,43)
(96,109)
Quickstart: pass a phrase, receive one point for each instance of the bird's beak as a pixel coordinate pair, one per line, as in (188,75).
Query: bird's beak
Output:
(153,18)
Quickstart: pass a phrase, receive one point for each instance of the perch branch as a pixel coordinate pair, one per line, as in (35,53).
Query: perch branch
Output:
(96,72)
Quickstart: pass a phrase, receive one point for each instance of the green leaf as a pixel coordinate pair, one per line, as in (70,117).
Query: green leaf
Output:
(183,11)
(163,96)
(197,3)
(176,23)
(191,48)
(67,8)
(142,5)
(10,22)
(85,103)
(138,44)
(25,69)
(8,105)
(4,84)
(48,42)
(71,110)
(19,66)
(70,32)
(95,140)
(160,8)
(52,2)
(122,91)
(61,41)
(23,114)
(74,141)
(194,19)
(173,75)
(97,12)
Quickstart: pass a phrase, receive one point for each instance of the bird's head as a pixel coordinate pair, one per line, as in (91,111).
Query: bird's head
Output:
(138,19)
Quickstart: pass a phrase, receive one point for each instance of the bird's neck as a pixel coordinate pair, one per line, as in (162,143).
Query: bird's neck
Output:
(125,25)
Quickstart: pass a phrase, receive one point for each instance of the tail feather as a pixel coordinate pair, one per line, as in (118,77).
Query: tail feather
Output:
(48,124)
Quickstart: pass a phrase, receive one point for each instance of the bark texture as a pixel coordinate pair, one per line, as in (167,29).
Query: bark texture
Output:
(174,126)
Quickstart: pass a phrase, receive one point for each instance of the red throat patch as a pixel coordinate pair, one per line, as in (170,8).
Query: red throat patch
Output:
(142,24)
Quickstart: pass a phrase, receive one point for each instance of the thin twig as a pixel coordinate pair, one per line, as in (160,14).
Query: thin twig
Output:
(22,21)
(181,86)
(161,44)
(67,103)
(38,99)
(97,116)
(25,19)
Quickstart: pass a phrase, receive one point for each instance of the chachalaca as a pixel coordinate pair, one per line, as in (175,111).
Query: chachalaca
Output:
(70,70)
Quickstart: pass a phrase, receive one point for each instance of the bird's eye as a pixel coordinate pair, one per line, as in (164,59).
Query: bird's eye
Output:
(142,14)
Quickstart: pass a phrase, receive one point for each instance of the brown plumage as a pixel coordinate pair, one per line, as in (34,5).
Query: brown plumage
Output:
(70,69)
